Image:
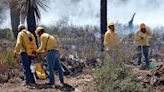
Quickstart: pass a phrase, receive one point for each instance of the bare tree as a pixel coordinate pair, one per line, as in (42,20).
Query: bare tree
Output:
(131,23)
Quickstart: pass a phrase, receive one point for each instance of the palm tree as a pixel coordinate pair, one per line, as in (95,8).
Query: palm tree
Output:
(25,10)
(103,11)
(14,14)
(30,11)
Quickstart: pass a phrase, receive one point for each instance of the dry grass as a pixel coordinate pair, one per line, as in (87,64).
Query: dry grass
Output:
(81,42)
(8,65)
(78,41)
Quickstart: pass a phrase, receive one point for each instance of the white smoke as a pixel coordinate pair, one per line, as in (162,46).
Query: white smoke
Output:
(83,12)
(5,22)
(78,12)
(4,14)
(147,11)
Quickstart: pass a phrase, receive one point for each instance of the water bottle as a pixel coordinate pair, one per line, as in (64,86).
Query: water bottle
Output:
(32,67)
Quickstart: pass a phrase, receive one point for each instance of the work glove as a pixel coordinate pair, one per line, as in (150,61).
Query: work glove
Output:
(107,49)
(142,37)
(34,52)
(15,55)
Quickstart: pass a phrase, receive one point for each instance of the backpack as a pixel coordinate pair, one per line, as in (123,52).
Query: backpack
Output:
(40,72)
(29,43)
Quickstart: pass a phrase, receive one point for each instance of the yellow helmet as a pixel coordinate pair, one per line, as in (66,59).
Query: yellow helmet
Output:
(110,23)
(38,30)
(20,27)
(142,25)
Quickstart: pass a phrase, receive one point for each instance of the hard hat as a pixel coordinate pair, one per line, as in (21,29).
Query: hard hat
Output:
(142,25)
(20,27)
(38,30)
(110,23)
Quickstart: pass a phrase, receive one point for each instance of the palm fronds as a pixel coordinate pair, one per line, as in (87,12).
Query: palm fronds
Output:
(32,4)
(14,4)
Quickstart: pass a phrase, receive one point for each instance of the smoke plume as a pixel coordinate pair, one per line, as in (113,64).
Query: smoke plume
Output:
(87,12)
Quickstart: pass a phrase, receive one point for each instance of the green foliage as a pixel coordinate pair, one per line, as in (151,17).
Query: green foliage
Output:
(116,77)
(10,35)
(34,4)
(3,33)
(6,34)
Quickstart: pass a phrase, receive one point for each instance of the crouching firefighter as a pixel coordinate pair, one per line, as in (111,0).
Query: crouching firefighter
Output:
(25,46)
(50,45)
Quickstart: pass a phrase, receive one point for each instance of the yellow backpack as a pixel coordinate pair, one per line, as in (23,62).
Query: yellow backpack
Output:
(40,73)
(29,42)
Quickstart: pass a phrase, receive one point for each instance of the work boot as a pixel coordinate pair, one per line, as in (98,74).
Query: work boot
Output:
(142,67)
(31,85)
(23,83)
(27,84)
(50,85)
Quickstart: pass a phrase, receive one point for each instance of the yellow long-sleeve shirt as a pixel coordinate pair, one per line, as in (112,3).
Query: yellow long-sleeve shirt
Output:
(145,41)
(52,43)
(23,44)
(111,40)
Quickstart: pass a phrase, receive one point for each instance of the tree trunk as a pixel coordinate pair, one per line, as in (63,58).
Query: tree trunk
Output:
(103,11)
(14,13)
(31,21)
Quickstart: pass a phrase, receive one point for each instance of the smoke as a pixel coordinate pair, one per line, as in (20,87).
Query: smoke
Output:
(4,14)
(5,22)
(78,12)
(83,12)
(147,11)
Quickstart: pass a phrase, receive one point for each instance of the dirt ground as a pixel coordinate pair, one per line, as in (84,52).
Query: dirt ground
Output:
(146,77)
(83,82)
(78,83)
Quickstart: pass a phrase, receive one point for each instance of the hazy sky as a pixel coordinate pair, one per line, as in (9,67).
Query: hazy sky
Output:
(82,12)
(148,11)
(78,12)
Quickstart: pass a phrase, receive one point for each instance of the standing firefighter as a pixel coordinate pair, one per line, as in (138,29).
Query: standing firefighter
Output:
(111,39)
(49,44)
(142,40)
(25,46)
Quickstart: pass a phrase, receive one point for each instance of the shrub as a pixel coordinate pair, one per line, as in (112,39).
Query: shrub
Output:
(114,76)
(6,34)
(3,33)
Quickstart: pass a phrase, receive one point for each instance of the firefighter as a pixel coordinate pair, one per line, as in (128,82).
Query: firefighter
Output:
(142,40)
(25,46)
(50,45)
(111,38)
